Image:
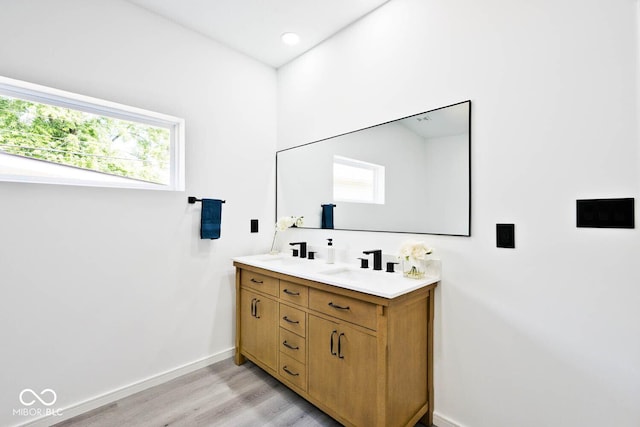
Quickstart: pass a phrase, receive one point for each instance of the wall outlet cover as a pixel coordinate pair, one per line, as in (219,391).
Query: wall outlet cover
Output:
(254,225)
(505,236)
(605,213)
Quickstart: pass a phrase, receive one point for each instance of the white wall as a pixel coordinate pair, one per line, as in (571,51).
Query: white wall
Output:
(546,334)
(102,288)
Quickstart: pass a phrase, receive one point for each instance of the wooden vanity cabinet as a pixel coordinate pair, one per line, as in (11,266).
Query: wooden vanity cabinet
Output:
(258,314)
(363,359)
(259,318)
(342,366)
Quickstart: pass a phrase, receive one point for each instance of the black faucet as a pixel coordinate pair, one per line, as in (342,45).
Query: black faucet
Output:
(303,248)
(377,258)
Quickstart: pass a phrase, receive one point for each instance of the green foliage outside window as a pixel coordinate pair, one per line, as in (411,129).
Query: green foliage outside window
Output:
(83,140)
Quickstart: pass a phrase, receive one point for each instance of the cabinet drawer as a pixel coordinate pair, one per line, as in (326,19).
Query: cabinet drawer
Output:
(293,319)
(342,307)
(292,292)
(259,282)
(293,371)
(293,345)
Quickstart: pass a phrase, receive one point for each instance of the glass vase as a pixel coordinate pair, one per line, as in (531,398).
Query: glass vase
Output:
(274,249)
(414,268)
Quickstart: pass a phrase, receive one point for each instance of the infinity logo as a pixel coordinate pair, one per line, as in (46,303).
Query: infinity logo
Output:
(34,394)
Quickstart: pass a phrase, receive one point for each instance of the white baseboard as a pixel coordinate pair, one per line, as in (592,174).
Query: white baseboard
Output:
(442,421)
(112,396)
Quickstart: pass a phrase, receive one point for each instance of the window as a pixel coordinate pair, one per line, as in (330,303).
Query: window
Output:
(357,181)
(56,137)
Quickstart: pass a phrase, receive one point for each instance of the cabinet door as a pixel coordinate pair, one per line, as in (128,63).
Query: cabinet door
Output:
(356,382)
(259,327)
(342,369)
(322,348)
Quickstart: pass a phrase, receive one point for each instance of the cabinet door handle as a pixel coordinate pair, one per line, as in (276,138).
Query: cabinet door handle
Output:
(257,281)
(288,292)
(340,355)
(331,304)
(331,349)
(286,319)
(286,344)
(253,307)
(293,374)
(256,309)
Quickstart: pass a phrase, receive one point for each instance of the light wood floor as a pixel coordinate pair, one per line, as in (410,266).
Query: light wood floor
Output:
(222,394)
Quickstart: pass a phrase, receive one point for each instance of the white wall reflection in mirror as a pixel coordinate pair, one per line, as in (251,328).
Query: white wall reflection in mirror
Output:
(409,175)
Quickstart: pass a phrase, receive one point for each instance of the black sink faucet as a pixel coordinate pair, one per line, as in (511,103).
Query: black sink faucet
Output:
(377,258)
(303,248)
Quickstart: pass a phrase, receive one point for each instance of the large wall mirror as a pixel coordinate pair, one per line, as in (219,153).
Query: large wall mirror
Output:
(411,175)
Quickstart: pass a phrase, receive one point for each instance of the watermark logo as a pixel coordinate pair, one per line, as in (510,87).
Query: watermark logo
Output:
(46,397)
(41,397)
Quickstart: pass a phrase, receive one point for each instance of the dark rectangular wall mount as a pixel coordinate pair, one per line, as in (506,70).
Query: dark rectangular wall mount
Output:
(506,236)
(605,213)
(254,225)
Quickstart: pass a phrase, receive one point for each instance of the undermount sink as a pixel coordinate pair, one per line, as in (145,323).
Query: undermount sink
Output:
(348,273)
(269,257)
(278,257)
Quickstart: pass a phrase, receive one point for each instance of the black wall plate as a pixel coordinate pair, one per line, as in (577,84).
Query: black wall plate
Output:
(605,213)
(506,236)
(254,225)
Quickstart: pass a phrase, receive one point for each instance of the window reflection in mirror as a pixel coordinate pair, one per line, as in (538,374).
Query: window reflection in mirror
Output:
(355,181)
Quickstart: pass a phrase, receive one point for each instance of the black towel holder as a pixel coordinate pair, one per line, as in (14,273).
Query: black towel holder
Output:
(192,200)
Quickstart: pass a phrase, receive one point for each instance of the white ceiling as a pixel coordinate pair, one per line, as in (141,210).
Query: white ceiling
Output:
(253,27)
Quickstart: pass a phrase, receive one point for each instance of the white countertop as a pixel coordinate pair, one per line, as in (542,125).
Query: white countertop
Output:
(379,283)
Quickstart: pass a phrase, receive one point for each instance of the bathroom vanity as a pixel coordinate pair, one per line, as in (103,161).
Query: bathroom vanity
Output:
(358,344)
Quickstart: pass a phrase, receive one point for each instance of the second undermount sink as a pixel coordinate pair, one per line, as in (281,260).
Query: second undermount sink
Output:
(279,259)
(349,273)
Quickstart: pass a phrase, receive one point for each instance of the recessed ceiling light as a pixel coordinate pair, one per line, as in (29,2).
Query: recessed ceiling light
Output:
(290,38)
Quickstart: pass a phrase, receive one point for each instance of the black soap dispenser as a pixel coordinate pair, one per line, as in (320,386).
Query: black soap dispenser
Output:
(331,252)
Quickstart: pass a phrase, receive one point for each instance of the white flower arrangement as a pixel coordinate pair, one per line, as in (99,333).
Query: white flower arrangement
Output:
(414,250)
(413,253)
(289,221)
(283,224)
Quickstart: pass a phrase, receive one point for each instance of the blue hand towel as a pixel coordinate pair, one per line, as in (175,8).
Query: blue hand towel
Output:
(211,218)
(327,216)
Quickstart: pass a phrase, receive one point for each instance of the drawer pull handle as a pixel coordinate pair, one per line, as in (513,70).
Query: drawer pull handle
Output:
(286,319)
(257,281)
(288,292)
(331,349)
(331,304)
(286,344)
(253,307)
(293,374)
(256,309)
(340,346)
